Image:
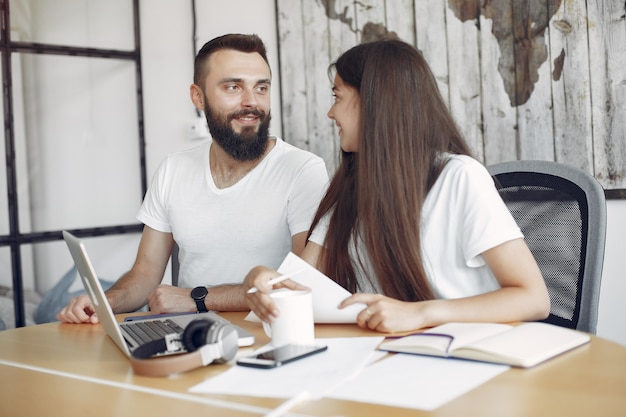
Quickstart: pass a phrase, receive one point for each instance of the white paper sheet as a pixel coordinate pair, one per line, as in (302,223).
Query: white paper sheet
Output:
(315,375)
(413,381)
(327,294)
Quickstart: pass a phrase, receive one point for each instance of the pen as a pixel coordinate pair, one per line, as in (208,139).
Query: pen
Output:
(276,280)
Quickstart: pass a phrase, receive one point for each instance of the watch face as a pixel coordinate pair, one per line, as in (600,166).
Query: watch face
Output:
(199,293)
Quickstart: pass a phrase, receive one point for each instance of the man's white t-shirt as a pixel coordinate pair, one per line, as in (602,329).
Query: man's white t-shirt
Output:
(463,216)
(223,233)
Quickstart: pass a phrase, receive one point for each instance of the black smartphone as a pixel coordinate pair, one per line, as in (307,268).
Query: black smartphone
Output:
(280,356)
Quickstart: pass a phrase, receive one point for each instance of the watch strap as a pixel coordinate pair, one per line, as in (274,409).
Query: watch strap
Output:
(201,306)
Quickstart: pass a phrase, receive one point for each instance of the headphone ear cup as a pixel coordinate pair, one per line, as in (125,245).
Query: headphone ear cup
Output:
(227,338)
(195,334)
(202,332)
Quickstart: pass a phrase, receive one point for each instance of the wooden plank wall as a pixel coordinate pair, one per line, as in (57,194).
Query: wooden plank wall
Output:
(525,79)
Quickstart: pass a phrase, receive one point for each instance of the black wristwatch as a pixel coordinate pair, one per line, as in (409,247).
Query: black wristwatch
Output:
(199,294)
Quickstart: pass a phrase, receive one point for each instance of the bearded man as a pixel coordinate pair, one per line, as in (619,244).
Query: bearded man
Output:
(239,200)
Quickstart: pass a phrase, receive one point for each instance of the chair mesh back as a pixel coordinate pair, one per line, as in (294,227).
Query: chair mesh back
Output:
(552,217)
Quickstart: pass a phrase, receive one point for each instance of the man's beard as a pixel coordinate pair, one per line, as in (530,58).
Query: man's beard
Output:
(245,146)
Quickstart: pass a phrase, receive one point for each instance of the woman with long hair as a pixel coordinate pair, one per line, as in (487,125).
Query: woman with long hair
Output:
(411,224)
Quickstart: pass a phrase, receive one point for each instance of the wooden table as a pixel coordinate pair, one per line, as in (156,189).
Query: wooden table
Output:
(75,370)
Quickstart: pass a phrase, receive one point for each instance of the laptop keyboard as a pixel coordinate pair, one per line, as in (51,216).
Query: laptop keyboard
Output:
(146,331)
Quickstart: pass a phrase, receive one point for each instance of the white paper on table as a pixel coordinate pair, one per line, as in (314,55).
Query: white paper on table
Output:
(414,381)
(327,294)
(316,374)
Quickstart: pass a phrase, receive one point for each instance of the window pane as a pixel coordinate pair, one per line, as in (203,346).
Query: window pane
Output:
(80,142)
(4,204)
(31,297)
(7,315)
(106,24)
(50,279)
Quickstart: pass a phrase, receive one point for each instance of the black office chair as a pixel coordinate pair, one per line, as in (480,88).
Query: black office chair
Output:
(562,212)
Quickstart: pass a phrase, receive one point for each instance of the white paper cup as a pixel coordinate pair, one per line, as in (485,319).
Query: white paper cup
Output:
(295,324)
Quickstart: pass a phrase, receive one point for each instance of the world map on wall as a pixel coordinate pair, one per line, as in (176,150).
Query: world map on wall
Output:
(519,27)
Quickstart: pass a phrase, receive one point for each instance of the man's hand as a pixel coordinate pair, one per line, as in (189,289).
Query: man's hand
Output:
(169,299)
(78,310)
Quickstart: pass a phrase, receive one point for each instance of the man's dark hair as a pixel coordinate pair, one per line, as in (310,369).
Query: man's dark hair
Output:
(235,41)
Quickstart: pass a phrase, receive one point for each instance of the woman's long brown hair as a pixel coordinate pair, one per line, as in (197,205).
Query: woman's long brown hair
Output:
(377,193)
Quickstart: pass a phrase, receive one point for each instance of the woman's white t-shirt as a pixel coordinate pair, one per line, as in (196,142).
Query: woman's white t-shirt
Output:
(463,216)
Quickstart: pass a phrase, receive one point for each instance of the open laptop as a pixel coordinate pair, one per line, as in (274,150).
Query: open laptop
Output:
(129,335)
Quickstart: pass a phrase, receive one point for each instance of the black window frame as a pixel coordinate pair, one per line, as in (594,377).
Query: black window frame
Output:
(16,239)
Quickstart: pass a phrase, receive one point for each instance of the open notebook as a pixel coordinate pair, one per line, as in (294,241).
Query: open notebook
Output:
(524,345)
(129,335)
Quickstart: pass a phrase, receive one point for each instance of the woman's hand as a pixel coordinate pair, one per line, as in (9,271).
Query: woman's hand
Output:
(259,302)
(387,315)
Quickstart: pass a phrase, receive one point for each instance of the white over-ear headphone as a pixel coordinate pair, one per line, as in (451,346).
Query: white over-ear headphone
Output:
(206,341)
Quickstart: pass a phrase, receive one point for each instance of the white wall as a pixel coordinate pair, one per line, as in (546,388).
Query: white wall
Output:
(167,61)
(612,312)
(167,69)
